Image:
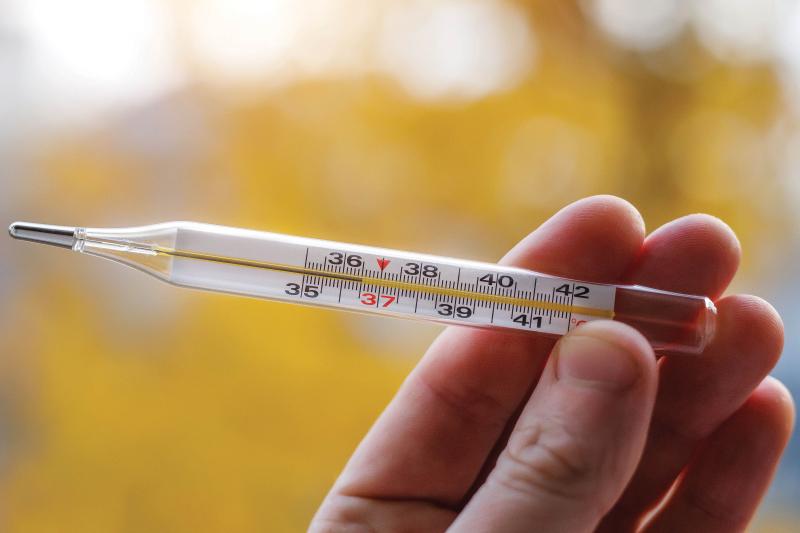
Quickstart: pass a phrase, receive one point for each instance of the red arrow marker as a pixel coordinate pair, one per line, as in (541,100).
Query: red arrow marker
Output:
(383,263)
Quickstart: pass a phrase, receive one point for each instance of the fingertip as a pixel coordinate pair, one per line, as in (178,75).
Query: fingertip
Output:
(626,338)
(595,239)
(775,407)
(605,212)
(754,324)
(711,233)
(697,254)
(716,228)
(613,208)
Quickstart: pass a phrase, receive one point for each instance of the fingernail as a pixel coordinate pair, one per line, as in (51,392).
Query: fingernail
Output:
(596,360)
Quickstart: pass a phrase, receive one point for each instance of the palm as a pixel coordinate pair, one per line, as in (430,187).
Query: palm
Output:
(717,422)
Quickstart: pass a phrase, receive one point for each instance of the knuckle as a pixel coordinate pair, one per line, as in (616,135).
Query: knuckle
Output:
(544,459)
(718,511)
(346,513)
(330,525)
(470,404)
(342,514)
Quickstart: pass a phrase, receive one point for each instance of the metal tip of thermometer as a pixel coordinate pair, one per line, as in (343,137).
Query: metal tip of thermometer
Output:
(63,236)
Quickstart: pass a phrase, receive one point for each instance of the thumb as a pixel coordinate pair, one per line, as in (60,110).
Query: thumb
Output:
(578,440)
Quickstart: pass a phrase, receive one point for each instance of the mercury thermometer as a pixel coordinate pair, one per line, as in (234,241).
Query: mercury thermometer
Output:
(385,282)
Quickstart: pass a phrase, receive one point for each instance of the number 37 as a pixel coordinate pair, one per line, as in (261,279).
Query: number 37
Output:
(370,298)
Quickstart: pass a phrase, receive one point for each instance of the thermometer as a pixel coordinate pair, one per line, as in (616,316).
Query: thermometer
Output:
(385,282)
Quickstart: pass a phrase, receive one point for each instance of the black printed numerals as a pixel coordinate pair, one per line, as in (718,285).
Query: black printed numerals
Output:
(352,260)
(460,311)
(581,291)
(500,279)
(419,269)
(309,291)
(524,320)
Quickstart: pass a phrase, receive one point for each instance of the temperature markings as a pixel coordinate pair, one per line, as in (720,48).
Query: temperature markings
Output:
(481,296)
(417,286)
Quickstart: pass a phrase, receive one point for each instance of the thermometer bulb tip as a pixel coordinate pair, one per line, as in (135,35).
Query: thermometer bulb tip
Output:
(63,236)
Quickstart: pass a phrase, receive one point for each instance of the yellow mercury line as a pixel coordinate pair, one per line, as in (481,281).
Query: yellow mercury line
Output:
(391,284)
(495,298)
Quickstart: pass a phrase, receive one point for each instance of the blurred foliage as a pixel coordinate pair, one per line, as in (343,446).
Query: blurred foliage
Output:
(134,407)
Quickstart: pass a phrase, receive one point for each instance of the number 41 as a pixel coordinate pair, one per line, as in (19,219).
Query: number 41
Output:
(523,320)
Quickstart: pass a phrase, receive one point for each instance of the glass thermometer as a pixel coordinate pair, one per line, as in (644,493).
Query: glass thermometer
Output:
(385,282)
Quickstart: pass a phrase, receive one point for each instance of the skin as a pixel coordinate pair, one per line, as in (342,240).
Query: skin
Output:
(502,432)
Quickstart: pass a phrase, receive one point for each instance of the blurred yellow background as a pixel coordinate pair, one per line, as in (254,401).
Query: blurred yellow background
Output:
(452,127)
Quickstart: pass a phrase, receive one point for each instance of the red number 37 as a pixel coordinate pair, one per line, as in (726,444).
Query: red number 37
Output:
(370,298)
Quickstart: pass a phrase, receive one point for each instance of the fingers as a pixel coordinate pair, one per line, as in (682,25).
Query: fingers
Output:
(577,441)
(433,439)
(725,482)
(695,254)
(594,239)
(696,394)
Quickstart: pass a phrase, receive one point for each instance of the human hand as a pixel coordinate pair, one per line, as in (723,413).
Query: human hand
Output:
(504,432)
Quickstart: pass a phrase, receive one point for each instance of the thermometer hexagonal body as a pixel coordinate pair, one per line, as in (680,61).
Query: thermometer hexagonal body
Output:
(386,282)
